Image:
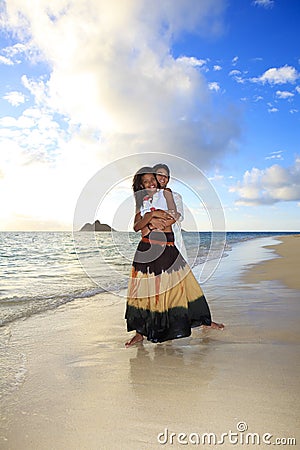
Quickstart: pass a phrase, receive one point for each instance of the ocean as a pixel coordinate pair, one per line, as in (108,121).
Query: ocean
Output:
(40,271)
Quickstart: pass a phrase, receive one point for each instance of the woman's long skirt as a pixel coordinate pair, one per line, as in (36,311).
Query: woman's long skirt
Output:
(164,299)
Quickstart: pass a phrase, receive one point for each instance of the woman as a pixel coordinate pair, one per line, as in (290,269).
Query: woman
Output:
(164,299)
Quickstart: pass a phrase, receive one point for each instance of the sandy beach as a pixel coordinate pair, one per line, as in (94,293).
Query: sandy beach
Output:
(80,388)
(286,270)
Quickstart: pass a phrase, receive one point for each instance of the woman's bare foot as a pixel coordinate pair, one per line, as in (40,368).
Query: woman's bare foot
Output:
(215,326)
(136,338)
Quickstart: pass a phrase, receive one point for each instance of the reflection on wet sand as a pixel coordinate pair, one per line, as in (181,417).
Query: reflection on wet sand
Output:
(163,369)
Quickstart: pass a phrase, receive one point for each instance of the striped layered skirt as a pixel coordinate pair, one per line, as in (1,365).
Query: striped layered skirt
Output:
(164,299)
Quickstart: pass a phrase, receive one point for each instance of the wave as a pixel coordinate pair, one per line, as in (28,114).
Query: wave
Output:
(15,308)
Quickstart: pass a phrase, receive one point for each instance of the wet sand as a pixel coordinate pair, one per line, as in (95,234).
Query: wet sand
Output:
(80,388)
(284,268)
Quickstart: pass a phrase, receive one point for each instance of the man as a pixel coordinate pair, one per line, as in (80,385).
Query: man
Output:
(163,177)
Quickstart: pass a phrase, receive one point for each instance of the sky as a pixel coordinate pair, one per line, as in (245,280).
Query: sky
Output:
(85,85)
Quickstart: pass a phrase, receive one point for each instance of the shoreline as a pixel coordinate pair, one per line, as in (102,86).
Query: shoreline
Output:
(284,267)
(20,309)
(77,380)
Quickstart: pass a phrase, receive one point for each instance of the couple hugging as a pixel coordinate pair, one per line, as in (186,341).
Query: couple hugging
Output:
(164,299)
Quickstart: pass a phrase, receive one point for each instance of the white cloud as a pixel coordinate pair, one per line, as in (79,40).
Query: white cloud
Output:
(39,89)
(6,61)
(234,60)
(14,98)
(298,89)
(281,75)
(237,75)
(235,72)
(112,88)
(214,86)
(10,54)
(43,171)
(15,49)
(294,111)
(284,94)
(275,155)
(269,186)
(273,110)
(217,68)
(122,83)
(192,61)
(128,83)
(264,3)
(216,177)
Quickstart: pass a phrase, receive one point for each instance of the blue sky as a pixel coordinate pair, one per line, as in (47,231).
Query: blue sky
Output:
(84,83)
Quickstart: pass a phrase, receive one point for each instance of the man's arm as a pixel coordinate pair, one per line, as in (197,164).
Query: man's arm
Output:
(179,205)
(172,208)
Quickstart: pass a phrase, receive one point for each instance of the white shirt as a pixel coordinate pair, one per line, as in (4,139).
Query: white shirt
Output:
(158,201)
(177,225)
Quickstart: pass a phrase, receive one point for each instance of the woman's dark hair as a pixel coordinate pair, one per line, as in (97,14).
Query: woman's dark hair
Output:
(137,179)
(137,182)
(162,166)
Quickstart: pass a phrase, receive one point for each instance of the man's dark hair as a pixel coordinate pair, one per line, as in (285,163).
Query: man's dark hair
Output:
(162,166)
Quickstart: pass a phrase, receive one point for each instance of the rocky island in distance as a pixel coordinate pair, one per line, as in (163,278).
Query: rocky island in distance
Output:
(96,226)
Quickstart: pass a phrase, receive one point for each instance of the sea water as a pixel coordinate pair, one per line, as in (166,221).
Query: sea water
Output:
(40,271)
(43,270)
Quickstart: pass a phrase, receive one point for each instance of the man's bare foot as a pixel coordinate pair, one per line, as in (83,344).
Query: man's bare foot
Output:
(215,326)
(136,338)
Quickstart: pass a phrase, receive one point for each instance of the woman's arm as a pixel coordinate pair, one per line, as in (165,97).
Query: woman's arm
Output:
(141,222)
(160,216)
